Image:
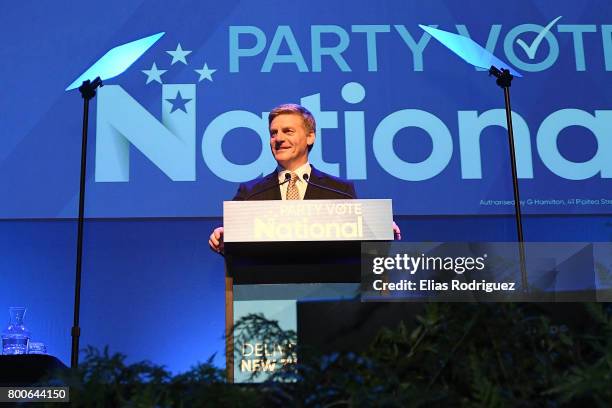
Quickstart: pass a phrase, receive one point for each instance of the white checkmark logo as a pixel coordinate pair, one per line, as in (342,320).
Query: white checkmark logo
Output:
(530,50)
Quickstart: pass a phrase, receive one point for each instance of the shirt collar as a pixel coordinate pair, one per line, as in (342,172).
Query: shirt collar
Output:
(304,168)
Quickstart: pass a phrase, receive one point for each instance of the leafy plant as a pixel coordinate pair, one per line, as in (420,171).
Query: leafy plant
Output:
(461,354)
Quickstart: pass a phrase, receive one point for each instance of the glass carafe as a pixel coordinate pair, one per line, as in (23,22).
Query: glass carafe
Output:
(16,337)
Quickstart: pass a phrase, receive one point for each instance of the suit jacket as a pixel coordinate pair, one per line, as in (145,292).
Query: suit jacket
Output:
(266,188)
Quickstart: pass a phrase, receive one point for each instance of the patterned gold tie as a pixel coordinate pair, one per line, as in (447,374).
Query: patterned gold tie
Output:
(292,190)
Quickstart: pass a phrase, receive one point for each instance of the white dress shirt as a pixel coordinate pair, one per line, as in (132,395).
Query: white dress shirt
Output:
(301,184)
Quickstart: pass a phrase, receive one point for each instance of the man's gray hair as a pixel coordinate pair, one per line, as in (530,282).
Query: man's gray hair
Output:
(292,108)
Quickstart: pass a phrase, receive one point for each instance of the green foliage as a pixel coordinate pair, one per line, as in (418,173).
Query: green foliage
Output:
(105,380)
(469,355)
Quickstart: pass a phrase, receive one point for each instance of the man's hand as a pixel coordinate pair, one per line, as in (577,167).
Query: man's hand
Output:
(216,240)
(397,233)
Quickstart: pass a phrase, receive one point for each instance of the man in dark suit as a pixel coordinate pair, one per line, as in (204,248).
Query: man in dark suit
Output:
(292,135)
(318,186)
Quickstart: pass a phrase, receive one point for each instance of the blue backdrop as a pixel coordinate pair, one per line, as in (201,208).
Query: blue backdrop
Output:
(396,111)
(172,137)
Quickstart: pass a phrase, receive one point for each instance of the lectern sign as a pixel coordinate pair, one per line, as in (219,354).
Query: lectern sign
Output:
(307,220)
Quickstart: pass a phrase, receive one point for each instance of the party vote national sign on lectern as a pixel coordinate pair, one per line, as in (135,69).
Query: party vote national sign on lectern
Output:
(278,252)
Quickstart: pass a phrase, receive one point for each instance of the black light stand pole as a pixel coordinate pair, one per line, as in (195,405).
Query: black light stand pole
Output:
(504,80)
(88,91)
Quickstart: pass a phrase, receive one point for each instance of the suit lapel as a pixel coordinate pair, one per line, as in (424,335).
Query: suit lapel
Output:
(315,177)
(268,183)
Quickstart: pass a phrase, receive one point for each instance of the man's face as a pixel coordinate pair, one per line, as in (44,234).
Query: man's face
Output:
(289,140)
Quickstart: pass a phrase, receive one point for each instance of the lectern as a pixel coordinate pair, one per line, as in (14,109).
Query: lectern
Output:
(283,246)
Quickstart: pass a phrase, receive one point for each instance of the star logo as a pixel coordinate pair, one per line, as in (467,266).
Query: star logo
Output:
(178,103)
(154,74)
(179,55)
(205,73)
